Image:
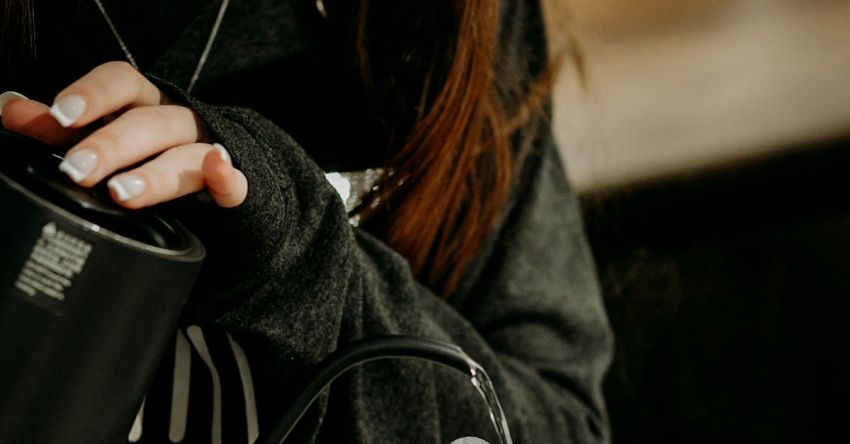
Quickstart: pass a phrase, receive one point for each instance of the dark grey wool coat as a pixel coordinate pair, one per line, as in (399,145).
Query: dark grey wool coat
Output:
(292,281)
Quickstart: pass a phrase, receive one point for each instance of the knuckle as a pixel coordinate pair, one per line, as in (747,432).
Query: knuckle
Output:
(123,72)
(120,66)
(153,116)
(163,183)
(106,139)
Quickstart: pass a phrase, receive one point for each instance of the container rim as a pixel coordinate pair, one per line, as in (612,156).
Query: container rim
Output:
(192,249)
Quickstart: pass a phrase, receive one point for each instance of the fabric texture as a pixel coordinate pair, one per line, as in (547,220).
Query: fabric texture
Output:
(291,280)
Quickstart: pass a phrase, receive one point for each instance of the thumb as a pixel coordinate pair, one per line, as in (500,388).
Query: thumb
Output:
(227,185)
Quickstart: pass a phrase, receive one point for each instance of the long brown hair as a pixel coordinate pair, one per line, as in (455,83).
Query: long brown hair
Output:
(448,181)
(456,152)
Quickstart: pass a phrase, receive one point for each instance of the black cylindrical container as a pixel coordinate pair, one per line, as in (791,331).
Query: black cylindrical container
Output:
(89,298)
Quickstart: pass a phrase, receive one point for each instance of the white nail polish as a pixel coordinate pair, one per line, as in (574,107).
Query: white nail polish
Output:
(8,96)
(79,164)
(68,109)
(225,156)
(127,186)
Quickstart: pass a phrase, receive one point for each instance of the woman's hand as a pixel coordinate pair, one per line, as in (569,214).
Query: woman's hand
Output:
(143,125)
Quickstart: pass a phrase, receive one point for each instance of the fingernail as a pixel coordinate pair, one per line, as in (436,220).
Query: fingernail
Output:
(68,109)
(127,186)
(79,164)
(225,156)
(8,96)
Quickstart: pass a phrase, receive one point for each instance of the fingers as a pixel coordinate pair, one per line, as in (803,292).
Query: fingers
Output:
(106,89)
(33,119)
(177,172)
(141,123)
(134,136)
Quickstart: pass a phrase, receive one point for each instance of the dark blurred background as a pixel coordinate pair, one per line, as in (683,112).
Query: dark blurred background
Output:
(712,154)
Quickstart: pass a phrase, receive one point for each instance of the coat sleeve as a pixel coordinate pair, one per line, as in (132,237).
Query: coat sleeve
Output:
(288,275)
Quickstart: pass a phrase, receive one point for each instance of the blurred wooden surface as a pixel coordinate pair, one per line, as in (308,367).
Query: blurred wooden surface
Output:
(679,85)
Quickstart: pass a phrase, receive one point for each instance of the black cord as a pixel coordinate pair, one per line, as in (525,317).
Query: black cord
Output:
(360,352)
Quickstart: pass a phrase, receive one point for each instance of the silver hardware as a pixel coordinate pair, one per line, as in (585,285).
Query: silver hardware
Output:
(353,187)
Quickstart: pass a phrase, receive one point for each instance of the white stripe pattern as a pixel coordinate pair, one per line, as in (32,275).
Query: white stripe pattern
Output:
(196,336)
(169,414)
(252,423)
(136,431)
(180,388)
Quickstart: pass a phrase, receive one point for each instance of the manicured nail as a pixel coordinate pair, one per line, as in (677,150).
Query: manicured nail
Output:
(79,164)
(127,186)
(68,109)
(225,156)
(9,96)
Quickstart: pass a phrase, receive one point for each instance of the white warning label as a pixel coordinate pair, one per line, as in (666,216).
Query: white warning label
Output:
(55,260)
